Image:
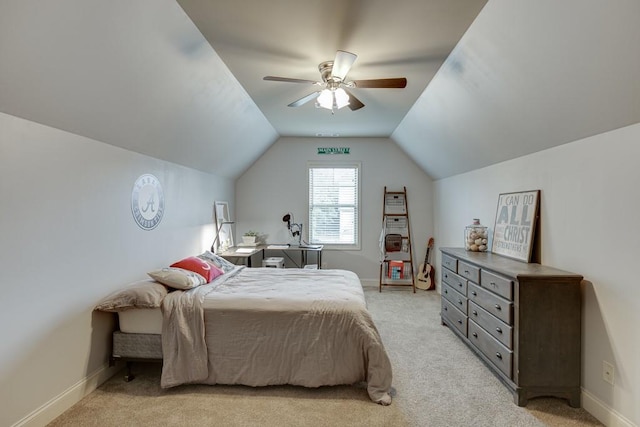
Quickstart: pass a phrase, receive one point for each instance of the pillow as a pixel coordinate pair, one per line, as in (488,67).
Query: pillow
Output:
(217,271)
(218,265)
(177,278)
(200,266)
(141,294)
(218,261)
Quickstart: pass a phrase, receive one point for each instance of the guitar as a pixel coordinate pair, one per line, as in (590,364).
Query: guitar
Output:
(426,271)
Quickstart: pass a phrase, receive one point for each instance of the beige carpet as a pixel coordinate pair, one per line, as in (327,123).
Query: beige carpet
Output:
(437,382)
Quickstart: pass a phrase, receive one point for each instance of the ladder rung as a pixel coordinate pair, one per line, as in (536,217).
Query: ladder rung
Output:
(395,220)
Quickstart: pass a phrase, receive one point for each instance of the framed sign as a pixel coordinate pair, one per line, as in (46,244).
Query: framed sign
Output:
(334,150)
(516,219)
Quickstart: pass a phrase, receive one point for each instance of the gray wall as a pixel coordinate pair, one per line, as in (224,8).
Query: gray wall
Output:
(68,238)
(589,208)
(277,184)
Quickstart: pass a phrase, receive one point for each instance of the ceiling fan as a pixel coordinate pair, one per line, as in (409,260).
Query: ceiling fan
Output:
(336,93)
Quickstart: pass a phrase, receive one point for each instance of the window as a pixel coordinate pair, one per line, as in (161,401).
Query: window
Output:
(334,205)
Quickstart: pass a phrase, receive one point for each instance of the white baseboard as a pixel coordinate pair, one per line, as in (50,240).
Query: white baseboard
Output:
(374,283)
(602,412)
(65,400)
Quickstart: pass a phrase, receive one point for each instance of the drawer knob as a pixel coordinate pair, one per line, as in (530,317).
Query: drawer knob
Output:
(466,272)
(445,291)
(498,330)
(475,313)
(460,321)
(459,284)
(493,284)
(474,293)
(446,309)
(497,306)
(475,335)
(459,301)
(499,356)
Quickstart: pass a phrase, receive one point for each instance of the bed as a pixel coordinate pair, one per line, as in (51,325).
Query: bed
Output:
(259,327)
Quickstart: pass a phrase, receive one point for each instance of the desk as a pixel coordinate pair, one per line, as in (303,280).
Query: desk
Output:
(245,254)
(302,252)
(299,259)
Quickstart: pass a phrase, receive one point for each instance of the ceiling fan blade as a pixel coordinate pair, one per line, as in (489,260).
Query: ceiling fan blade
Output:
(342,64)
(304,100)
(398,83)
(354,103)
(288,80)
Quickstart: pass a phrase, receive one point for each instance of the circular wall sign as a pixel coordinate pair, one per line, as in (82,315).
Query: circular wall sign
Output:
(147,202)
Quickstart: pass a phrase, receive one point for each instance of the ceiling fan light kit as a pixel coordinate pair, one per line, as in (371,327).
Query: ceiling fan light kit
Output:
(332,99)
(341,98)
(334,96)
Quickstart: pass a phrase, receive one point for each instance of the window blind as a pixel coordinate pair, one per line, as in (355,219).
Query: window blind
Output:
(334,205)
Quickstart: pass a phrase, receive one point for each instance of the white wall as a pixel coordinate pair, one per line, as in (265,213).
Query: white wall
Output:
(68,238)
(277,184)
(134,74)
(527,76)
(590,203)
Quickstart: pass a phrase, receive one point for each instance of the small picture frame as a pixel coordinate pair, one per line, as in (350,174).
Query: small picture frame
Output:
(516,220)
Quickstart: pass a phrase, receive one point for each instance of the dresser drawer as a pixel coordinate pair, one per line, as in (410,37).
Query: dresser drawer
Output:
(495,327)
(512,312)
(498,284)
(450,262)
(453,317)
(499,355)
(454,297)
(469,271)
(498,306)
(459,283)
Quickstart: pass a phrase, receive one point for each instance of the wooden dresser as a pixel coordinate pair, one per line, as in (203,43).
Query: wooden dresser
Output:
(523,320)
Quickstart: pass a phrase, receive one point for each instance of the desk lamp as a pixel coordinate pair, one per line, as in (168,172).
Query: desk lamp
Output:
(291,225)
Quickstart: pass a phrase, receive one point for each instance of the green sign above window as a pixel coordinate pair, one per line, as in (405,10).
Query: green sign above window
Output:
(333,150)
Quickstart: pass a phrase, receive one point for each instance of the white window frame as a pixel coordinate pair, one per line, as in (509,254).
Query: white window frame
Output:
(333,165)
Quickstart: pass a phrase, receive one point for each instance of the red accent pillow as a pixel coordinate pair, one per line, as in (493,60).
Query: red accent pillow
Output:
(203,268)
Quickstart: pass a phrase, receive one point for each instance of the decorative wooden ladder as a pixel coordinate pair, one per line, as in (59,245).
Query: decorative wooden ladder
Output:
(396,265)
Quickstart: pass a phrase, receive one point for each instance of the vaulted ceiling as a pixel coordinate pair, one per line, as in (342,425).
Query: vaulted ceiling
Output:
(408,38)
(182,81)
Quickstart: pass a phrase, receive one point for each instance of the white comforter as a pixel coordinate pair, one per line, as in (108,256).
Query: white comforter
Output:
(266,326)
